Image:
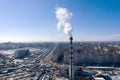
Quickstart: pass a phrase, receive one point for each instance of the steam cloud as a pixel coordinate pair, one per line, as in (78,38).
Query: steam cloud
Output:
(64,16)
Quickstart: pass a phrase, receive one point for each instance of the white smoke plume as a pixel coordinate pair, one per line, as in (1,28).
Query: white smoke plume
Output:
(63,16)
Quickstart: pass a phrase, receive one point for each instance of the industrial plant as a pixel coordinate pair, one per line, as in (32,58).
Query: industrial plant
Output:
(87,49)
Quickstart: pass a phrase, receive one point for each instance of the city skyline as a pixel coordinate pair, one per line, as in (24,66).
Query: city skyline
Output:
(31,21)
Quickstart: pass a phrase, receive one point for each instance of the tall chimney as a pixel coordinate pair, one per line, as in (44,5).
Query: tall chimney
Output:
(71,71)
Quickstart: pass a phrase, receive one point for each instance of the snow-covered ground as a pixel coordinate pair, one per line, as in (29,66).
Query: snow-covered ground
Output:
(115,77)
(8,52)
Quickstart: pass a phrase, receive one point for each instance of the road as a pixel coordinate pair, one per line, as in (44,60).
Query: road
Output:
(48,56)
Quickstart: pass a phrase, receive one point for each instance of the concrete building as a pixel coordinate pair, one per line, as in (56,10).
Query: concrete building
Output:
(21,53)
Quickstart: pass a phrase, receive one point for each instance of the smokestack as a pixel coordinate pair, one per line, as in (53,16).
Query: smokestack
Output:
(71,71)
(63,16)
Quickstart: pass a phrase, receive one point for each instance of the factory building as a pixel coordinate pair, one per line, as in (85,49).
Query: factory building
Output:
(21,53)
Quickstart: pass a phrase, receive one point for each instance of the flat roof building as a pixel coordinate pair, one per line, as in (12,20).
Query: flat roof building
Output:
(21,53)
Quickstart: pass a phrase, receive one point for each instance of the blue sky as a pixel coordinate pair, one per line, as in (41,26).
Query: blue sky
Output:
(34,20)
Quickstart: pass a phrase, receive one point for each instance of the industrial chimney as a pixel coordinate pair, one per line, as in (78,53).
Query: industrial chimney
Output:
(71,71)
